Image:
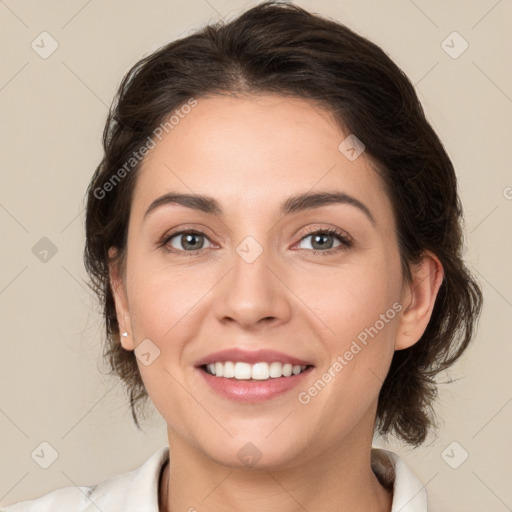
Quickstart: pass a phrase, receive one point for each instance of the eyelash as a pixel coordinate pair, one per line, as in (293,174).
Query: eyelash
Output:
(346,242)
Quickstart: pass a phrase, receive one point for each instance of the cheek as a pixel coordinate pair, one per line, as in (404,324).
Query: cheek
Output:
(359,310)
(161,296)
(361,315)
(353,297)
(162,311)
(160,306)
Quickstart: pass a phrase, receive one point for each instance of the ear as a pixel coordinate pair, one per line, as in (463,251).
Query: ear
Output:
(121,303)
(418,300)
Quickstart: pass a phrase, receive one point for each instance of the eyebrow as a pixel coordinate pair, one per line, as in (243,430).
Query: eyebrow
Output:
(294,204)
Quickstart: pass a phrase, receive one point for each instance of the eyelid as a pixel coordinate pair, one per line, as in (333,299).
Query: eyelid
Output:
(327,229)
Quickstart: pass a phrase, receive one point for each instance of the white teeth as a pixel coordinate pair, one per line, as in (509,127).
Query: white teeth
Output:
(229,370)
(242,370)
(258,371)
(275,370)
(287,370)
(296,370)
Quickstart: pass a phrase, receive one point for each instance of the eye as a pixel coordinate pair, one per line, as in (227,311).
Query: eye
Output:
(323,240)
(190,241)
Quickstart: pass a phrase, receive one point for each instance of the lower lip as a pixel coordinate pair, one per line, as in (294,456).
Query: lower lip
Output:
(253,391)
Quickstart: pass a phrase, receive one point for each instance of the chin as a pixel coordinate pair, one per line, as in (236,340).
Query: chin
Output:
(256,454)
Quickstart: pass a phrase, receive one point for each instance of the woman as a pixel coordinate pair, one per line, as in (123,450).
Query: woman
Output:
(274,233)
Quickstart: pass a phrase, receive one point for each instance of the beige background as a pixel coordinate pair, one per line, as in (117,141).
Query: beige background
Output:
(53,112)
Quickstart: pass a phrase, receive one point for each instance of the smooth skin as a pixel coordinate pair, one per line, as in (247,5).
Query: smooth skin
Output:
(251,153)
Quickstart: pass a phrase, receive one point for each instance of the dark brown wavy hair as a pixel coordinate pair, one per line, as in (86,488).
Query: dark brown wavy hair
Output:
(281,48)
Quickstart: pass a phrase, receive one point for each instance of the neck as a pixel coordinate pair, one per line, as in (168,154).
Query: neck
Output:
(340,475)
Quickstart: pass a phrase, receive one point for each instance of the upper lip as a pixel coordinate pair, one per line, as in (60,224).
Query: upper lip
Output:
(251,357)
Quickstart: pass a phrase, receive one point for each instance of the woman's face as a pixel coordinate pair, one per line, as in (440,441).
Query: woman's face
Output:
(255,277)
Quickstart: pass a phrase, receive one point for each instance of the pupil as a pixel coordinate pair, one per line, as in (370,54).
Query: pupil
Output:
(188,237)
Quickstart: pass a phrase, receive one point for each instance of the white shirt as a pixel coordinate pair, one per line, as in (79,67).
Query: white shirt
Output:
(137,490)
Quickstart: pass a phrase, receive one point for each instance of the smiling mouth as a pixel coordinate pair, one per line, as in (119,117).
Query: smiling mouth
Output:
(258,372)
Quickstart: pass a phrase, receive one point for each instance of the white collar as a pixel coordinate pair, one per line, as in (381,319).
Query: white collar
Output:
(137,490)
(409,494)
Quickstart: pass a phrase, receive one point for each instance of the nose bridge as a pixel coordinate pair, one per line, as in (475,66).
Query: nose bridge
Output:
(251,278)
(251,290)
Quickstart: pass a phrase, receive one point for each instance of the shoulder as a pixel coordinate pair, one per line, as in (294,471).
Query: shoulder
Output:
(71,497)
(137,489)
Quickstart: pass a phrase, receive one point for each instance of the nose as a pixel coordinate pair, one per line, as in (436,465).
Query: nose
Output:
(253,292)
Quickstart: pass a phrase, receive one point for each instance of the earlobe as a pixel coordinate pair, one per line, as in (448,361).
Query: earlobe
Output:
(121,303)
(418,298)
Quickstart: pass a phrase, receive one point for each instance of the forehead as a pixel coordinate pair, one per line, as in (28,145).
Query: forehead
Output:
(255,151)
